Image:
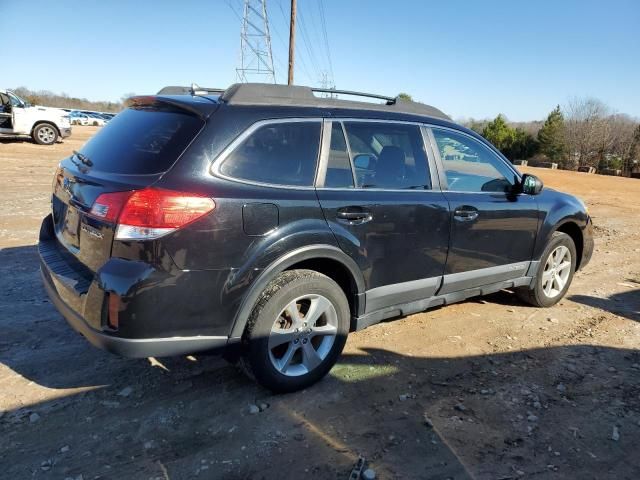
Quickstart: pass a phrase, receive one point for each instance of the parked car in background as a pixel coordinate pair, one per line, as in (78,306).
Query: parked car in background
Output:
(268,223)
(96,120)
(44,124)
(78,118)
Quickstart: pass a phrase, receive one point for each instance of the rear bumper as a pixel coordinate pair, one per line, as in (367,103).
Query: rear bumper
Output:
(127,347)
(153,327)
(65,132)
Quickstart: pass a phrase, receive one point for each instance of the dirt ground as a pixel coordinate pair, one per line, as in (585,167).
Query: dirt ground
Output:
(487,389)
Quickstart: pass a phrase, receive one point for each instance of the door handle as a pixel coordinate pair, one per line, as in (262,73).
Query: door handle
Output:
(354,215)
(465,213)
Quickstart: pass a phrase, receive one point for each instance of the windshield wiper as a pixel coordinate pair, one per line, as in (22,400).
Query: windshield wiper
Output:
(83,158)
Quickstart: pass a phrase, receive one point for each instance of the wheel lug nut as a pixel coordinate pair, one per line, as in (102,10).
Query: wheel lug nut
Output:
(296,341)
(304,341)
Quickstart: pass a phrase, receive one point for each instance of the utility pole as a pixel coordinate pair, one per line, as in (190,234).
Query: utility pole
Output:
(292,41)
(256,58)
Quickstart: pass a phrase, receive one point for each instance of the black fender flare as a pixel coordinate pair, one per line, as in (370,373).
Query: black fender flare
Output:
(548,229)
(280,265)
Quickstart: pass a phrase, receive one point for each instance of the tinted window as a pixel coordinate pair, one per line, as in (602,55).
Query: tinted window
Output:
(388,155)
(279,153)
(339,174)
(15,101)
(471,166)
(141,141)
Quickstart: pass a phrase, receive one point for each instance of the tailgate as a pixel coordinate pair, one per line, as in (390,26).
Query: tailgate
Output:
(131,152)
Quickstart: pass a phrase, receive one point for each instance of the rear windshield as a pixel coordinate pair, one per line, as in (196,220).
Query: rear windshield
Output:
(141,141)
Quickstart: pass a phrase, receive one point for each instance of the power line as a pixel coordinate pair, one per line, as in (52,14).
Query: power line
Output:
(323,23)
(309,45)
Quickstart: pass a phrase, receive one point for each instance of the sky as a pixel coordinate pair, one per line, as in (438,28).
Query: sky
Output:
(471,59)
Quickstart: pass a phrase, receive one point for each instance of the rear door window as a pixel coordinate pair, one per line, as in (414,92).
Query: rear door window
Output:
(282,153)
(140,141)
(388,155)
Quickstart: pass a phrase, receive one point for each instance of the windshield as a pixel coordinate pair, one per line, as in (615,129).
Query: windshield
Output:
(16,101)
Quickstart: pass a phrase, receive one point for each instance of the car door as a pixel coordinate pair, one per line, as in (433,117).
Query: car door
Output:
(379,197)
(20,116)
(6,118)
(493,226)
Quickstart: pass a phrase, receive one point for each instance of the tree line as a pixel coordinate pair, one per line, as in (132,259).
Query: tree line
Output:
(586,132)
(47,98)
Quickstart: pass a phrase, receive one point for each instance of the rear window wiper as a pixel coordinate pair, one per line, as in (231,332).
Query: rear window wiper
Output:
(83,158)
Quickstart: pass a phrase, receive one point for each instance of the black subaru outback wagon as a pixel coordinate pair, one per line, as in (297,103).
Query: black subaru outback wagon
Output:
(268,223)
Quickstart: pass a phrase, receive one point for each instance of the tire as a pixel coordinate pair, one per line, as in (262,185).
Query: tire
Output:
(278,345)
(45,134)
(551,283)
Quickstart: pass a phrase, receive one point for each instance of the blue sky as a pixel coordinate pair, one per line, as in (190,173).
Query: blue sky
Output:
(469,58)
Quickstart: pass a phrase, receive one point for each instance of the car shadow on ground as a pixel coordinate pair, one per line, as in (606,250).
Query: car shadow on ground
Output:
(16,139)
(625,304)
(548,411)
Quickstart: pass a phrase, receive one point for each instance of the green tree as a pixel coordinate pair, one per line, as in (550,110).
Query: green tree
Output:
(523,146)
(405,96)
(499,133)
(552,137)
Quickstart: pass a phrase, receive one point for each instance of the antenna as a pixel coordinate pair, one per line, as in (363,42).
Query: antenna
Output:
(256,58)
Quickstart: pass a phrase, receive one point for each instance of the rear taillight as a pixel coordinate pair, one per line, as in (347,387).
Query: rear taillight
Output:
(150,213)
(108,206)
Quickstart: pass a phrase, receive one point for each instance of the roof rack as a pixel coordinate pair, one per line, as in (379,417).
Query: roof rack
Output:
(295,95)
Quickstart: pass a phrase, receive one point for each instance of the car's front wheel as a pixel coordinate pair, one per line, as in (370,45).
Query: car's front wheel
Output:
(555,272)
(296,331)
(45,134)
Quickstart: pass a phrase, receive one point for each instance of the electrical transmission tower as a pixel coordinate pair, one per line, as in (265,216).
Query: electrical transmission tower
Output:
(256,59)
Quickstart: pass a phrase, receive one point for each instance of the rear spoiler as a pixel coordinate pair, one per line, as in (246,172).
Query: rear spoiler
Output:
(201,109)
(192,90)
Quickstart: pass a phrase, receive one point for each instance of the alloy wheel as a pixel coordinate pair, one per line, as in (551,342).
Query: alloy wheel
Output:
(556,271)
(302,335)
(46,134)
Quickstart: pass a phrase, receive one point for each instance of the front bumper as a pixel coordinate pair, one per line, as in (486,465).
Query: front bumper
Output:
(65,132)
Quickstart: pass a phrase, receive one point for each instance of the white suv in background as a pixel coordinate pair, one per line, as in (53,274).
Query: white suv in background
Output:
(44,124)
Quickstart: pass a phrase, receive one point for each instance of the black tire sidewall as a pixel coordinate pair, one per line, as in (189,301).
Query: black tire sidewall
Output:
(557,239)
(257,337)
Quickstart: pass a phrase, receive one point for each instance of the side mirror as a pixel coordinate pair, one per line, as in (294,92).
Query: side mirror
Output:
(531,184)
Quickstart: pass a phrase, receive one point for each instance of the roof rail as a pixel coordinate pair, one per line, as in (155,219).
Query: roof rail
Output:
(389,100)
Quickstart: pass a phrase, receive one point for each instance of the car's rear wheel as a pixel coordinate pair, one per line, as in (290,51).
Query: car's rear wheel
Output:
(45,134)
(555,272)
(296,331)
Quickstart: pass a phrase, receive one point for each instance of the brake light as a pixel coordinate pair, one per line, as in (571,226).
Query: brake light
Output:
(150,213)
(108,206)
